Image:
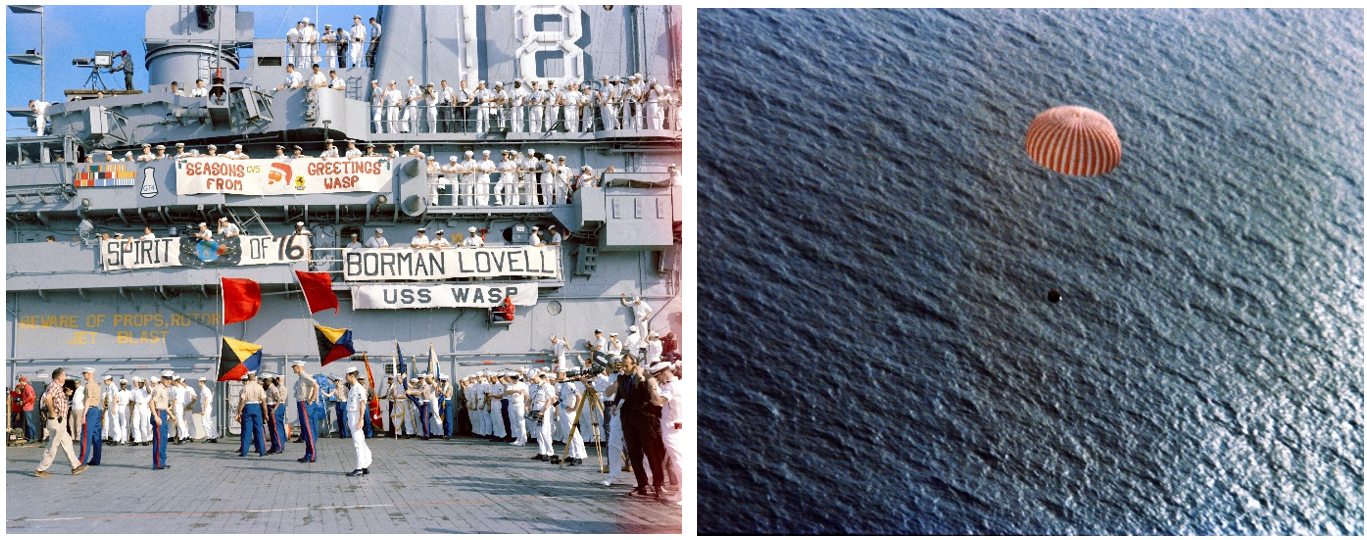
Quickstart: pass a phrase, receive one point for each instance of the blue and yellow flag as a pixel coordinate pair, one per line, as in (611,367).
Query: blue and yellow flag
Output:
(237,358)
(333,343)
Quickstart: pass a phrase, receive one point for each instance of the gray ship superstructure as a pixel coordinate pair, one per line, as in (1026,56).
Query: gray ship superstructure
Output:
(134,307)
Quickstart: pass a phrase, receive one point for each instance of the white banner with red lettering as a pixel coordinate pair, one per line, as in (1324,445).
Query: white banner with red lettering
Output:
(292,177)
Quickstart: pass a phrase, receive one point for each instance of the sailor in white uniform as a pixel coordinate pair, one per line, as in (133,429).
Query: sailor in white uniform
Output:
(356,405)
(146,154)
(142,412)
(236,153)
(355,242)
(351,151)
(538,99)
(507,181)
(206,403)
(357,41)
(483,184)
(641,310)
(553,103)
(474,240)
(485,99)
(122,397)
(392,98)
(518,97)
(329,152)
(410,122)
(430,100)
(569,402)
(516,394)
(465,186)
(294,38)
(377,96)
(572,99)
(378,241)
(420,240)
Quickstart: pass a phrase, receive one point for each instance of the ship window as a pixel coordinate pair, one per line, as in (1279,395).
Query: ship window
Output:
(268,61)
(639,207)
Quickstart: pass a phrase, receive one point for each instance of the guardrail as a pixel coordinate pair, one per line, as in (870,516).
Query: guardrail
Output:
(481,119)
(522,190)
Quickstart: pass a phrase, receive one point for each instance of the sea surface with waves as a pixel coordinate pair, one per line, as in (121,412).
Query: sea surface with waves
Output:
(875,247)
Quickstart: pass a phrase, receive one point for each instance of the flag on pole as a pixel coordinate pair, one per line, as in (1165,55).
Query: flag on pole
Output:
(375,418)
(237,358)
(433,366)
(318,293)
(241,299)
(333,343)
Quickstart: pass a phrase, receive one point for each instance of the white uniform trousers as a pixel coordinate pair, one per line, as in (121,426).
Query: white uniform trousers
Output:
(549,189)
(107,428)
(535,118)
(482,190)
(378,119)
(182,427)
(507,190)
(496,416)
(551,110)
(142,423)
(479,420)
(362,450)
(356,50)
(609,113)
(121,424)
(518,112)
(466,192)
(410,114)
(391,115)
(57,439)
(653,118)
(636,115)
(572,119)
(517,417)
(482,119)
(431,119)
(410,417)
(543,441)
(434,418)
(674,441)
(576,443)
(615,449)
(207,421)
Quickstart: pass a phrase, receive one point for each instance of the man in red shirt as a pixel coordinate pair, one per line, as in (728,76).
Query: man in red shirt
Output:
(506,310)
(26,399)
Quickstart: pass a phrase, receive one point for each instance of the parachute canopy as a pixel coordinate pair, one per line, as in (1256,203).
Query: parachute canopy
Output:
(1073,140)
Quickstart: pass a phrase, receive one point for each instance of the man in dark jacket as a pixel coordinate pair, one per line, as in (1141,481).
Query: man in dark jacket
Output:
(641,427)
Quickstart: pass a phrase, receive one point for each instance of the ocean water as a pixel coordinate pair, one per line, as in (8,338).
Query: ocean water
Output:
(876,248)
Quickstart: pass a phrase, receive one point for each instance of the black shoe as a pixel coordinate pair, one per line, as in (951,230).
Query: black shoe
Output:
(356,472)
(365,470)
(555,460)
(642,491)
(302,460)
(660,493)
(537,457)
(572,461)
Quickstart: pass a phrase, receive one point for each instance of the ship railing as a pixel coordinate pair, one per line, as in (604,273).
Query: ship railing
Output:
(590,119)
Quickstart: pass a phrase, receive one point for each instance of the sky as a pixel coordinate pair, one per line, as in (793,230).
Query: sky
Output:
(74,32)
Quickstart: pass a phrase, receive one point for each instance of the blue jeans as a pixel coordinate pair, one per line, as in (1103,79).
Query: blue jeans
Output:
(31,424)
(251,429)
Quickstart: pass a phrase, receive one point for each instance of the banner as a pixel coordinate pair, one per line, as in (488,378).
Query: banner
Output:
(477,295)
(196,253)
(294,177)
(407,264)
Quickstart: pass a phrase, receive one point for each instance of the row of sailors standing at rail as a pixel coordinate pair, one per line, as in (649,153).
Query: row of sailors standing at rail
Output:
(531,107)
(523,179)
(307,46)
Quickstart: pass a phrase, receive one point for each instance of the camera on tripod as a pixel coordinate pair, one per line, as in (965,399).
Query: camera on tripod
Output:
(102,59)
(587,371)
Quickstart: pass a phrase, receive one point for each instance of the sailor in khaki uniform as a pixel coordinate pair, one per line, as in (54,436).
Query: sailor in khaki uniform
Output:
(161,402)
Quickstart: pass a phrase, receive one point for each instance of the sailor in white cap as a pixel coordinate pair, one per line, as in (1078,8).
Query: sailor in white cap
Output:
(640,310)
(358,41)
(206,406)
(420,240)
(432,169)
(553,102)
(107,392)
(517,395)
(465,186)
(532,167)
(502,100)
(409,122)
(569,98)
(227,228)
(535,236)
(430,100)
(569,395)
(213,150)
(483,184)
(128,156)
(376,107)
(311,46)
(123,396)
(377,241)
(607,103)
(180,151)
(306,394)
(160,403)
(675,397)
(653,95)
(392,99)
(473,239)
(506,190)
(538,97)
(294,39)
(179,400)
(654,348)
(235,153)
(329,151)
(634,343)
(280,156)
(299,229)
(471,390)
(497,406)
(516,106)
(141,423)
(298,152)
(484,100)
(356,406)
(351,150)
(146,154)
(614,350)
(355,242)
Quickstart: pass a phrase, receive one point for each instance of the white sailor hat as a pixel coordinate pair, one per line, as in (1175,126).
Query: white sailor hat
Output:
(531,151)
(444,377)
(351,369)
(118,235)
(108,377)
(137,378)
(298,224)
(180,144)
(410,77)
(237,146)
(439,231)
(355,16)
(305,20)
(108,152)
(631,328)
(659,366)
(329,141)
(612,334)
(498,83)
(177,378)
(279,147)
(431,158)
(223,219)
(637,75)
(326,26)
(243,378)
(297,363)
(472,229)
(123,381)
(351,141)
(168,374)
(585,168)
(453,158)
(203,224)
(88,370)
(161,147)
(374,81)
(535,228)
(146,145)
(486,152)
(379,231)
(128,153)
(422,229)
(355,235)
(550,157)
(202,379)
(412,379)
(212,147)
(394,82)
(552,336)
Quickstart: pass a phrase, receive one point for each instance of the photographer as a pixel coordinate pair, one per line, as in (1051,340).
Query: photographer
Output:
(55,408)
(126,66)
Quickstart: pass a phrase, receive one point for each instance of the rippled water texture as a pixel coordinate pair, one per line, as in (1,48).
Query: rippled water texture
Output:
(876,249)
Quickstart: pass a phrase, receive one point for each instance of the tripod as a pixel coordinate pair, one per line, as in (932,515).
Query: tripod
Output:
(95,80)
(595,406)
